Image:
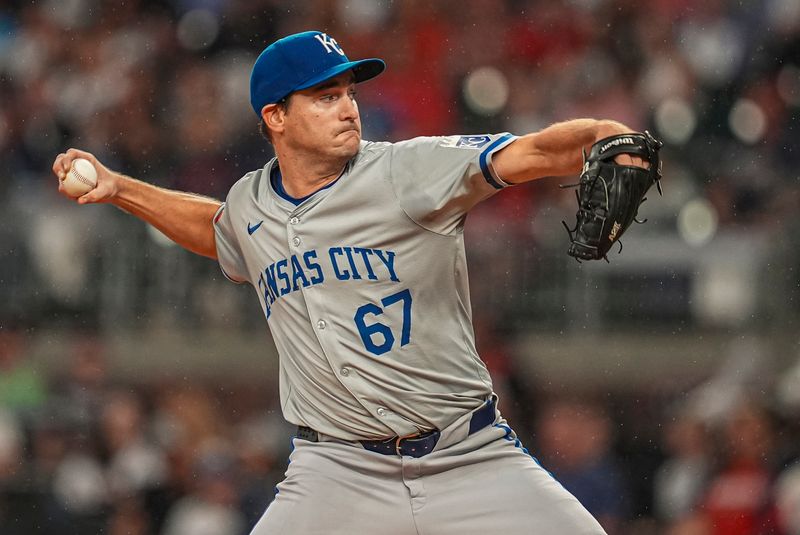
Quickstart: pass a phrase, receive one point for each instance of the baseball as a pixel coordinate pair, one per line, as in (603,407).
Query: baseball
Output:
(81,179)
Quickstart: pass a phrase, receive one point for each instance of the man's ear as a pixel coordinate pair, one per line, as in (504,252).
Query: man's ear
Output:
(273,116)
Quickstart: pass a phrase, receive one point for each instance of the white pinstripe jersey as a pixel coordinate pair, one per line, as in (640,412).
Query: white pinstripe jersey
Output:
(364,284)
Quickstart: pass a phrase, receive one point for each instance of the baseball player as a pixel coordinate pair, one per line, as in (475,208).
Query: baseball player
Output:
(356,252)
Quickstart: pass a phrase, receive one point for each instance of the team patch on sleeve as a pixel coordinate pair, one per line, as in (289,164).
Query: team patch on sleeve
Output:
(465,142)
(472,142)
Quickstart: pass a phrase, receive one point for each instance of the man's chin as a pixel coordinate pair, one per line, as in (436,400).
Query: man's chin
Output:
(349,141)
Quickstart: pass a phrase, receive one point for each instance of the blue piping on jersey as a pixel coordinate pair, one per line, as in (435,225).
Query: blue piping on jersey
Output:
(487,174)
(276,179)
(511,437)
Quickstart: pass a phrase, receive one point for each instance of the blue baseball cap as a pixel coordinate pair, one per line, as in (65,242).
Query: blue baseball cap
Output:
(300,61)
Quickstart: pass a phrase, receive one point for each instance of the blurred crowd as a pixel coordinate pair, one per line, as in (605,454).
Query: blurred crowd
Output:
(81,453)
(159,90)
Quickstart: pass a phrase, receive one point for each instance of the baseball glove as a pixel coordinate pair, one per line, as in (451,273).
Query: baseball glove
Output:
(609,194)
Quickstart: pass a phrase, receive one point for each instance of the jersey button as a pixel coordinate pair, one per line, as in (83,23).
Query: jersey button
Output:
(295,220)
(296,241)
(321,324)
(345,371)
(381,412)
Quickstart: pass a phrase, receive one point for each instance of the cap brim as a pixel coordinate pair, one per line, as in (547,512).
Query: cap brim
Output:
(363,69)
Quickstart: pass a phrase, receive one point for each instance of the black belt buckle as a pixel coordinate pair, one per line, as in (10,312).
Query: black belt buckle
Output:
(409,446)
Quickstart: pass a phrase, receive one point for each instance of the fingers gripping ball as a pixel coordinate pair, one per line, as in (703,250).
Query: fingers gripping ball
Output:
(609,194)
(81,179)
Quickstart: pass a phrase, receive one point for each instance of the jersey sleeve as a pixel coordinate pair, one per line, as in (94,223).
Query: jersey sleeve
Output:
(437,180)
(229,254)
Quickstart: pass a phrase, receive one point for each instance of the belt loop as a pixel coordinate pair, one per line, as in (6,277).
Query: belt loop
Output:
(482,417)
(306,433)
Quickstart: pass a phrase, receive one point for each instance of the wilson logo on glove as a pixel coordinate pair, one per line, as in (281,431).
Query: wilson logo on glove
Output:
(616,142)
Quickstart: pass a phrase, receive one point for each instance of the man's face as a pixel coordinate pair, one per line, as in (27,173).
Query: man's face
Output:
(324,119)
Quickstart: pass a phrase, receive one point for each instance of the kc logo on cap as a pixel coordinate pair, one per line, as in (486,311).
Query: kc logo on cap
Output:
(329,43)
(300,61)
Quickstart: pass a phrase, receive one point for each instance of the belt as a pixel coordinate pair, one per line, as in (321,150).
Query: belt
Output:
(414,445)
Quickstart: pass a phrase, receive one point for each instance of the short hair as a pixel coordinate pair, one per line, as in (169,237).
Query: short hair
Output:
(262,126)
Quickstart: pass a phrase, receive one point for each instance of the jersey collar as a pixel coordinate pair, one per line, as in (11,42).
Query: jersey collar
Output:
(276,181)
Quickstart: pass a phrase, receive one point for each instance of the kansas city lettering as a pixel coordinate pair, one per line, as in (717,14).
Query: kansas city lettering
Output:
(344,263)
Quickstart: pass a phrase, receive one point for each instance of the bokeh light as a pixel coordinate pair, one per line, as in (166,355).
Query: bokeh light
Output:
(697,222)
(747,121)
(198,29)
(675,120)
(788,84)
(486,90)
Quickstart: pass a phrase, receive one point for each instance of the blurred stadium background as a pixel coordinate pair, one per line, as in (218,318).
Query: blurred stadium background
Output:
(138,388)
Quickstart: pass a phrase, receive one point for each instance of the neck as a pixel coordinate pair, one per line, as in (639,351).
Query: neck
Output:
(302,175)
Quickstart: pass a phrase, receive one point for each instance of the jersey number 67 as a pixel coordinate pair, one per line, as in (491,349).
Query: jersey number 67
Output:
(371,334)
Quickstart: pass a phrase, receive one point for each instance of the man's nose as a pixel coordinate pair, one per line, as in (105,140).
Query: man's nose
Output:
(349,109)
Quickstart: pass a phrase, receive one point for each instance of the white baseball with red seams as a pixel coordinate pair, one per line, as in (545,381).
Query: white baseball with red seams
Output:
(81,179)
